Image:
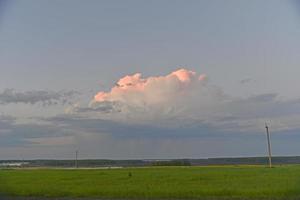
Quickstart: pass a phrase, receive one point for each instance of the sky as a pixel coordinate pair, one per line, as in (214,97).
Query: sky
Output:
(148,79)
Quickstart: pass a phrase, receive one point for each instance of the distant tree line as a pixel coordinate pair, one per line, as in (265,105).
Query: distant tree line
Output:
(172,163)
(140,163)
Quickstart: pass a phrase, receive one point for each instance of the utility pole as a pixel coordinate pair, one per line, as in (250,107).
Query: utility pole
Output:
(76,159)
(269,146)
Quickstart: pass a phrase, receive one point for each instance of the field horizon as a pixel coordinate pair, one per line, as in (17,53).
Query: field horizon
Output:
(92,163)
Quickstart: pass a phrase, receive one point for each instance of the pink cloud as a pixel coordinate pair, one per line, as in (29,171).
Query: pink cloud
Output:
(135,90)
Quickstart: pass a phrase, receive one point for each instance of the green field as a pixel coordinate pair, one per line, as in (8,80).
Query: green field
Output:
(211,182)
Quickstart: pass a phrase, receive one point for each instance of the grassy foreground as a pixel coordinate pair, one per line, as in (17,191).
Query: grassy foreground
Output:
(221,182)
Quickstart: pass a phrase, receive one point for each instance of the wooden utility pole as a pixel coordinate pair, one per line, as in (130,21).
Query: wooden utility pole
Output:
(269,146)
(76,159)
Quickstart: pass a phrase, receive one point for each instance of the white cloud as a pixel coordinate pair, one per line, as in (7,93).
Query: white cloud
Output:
(183,98)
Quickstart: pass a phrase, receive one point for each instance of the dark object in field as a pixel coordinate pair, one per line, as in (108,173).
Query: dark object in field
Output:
(129,174)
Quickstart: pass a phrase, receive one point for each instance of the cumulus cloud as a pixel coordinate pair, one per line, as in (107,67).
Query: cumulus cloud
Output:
(184,99)
(178,93)
(135,90)
(180,104)
(9,96)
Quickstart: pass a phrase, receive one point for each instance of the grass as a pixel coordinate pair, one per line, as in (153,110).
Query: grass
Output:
(211,182)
